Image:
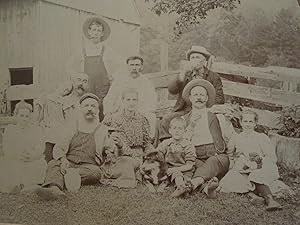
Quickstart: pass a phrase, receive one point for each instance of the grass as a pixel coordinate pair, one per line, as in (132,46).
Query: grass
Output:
(107,205)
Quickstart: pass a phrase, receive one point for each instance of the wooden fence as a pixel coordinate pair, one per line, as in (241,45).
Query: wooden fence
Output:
(284,95)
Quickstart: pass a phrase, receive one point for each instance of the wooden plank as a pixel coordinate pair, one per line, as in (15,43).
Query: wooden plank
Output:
(272,73)
(264,94)
(18,92)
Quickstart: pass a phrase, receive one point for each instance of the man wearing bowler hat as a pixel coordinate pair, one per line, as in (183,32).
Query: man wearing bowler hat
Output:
(200,61)
(96,58)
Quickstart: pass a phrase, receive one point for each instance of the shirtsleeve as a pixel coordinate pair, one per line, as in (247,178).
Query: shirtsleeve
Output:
(190,154)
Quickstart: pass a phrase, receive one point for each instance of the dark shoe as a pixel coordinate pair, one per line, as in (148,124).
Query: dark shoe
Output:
(211,187)
(50,193)
(255,199)
(179,191)
(272,205)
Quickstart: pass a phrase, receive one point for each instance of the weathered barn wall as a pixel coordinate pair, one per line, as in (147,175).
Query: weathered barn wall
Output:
(43,35)
(18,35)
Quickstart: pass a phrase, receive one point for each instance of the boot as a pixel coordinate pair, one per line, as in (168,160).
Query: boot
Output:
(50,193)
(272,205)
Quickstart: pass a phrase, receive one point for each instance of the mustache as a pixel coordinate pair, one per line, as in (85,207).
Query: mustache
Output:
(90,113)
(200,100)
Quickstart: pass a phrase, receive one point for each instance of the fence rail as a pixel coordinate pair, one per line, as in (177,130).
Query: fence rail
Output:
(284,96)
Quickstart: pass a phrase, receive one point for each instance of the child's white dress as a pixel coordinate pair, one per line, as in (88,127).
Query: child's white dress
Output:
(245,143)
(13,170)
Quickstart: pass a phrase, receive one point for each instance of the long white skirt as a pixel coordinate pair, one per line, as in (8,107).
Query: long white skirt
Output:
(14,173)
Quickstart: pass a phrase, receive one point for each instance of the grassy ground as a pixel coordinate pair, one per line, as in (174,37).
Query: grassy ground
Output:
(106,205)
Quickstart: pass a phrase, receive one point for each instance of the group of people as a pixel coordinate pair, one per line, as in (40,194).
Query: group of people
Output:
(100,129)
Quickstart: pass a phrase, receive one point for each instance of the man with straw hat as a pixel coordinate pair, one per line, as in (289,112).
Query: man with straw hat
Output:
(96,58)
(204,131)
(200,61)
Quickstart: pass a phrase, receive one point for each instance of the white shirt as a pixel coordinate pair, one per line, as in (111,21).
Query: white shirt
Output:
(201,132)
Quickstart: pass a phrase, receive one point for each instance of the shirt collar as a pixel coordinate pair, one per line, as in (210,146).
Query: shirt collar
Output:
(183,143)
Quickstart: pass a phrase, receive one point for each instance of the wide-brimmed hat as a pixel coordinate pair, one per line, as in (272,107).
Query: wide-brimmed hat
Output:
(198,49)
(211,92)
(87,23)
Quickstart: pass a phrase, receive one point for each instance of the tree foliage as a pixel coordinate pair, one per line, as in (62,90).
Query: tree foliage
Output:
(190,12)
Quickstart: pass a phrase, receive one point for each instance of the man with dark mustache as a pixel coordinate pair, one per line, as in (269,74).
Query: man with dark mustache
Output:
(212,161)
(81,147)
(80,83)
(200,61)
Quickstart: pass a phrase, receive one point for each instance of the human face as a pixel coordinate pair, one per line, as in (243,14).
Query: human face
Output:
(197,60)
(22,117)
(198,97)
(81,83)
(130,100)
(96,33)
(248,122)
(135,67)
(90,109)
(177,130)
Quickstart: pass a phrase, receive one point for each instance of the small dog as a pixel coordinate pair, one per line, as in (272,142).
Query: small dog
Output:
(154,172)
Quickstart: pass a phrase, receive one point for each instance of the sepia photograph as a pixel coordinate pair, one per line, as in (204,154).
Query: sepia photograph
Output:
(157,112)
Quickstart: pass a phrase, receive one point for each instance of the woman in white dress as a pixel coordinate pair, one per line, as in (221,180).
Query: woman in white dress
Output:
(23,165)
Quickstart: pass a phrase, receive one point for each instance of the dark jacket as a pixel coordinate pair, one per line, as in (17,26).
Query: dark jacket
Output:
(176,87)
(215,131)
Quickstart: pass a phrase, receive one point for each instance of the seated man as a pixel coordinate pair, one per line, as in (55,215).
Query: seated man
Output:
(200,63)
(60,109)
(22,166)
(147,103)
(82,147)
(204,131)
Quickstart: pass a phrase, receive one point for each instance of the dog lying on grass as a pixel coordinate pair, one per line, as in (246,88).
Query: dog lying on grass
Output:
(154,172)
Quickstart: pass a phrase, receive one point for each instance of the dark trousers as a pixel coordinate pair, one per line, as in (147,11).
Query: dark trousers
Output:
(90,174)
(209,164)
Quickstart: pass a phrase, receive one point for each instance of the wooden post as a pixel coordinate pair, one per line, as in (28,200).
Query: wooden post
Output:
(164,56)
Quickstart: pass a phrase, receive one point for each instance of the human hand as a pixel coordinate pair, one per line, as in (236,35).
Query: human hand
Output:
(64,165)
(181,76)
(194,119)
(115,137)
(25,156)
(171,171)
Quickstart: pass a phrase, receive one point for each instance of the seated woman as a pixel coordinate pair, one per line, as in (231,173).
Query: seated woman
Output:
(22,166)
(133,131)
(255,167)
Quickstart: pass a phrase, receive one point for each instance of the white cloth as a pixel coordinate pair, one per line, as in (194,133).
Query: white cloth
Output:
(13,170)
(201,132)
(147,98)
(245,143)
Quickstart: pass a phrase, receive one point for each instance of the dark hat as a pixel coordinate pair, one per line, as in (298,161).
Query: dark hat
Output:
(87,23)
(89,95)
(211,92)
(198,49)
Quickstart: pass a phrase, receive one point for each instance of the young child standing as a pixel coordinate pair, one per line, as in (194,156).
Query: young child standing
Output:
(255,167)
(180,156)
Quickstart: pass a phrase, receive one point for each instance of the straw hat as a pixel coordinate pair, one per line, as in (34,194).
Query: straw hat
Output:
(87,23)
(202,83)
